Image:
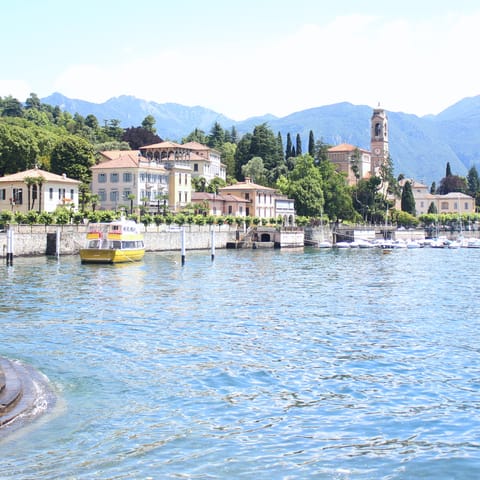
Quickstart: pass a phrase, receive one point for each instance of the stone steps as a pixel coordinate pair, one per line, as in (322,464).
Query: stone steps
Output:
(11,391)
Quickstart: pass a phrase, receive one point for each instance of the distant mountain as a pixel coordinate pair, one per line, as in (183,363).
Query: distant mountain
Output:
(420,146)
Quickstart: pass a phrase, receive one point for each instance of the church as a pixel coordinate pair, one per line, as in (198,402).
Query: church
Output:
(358,163)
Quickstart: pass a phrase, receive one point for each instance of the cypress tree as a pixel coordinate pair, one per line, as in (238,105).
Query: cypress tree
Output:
(288,149)
(408,201)
(298,145)
(448,172)
(311,144)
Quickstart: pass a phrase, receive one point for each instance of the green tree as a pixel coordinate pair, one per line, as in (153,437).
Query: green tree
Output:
(11,107)
(452,183)
(288,148)
(432,208)
(227,151)
(73,156)
(336,192)
(215,184)
(255,170)
(321,151)
(298,148)
(196,136)
(216,138)
(448,170)
(473,182)
(19,149)
(304,185)
(408,201)
(264,144)
(148,124)
(311,144)
(242,154)
(33,102)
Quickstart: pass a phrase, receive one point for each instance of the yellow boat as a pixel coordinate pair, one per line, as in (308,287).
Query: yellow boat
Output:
(116,242)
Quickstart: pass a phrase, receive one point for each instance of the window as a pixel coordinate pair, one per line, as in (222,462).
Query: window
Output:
(247,196)
(465,207)
(195,167)
(61,193)
(50,193)
(444,206)
(186,179)
(127,177)
(455,206)
(102,177)
(72,194)
(179,178)
(126,193)
(230,209)
(114,196)
(17,196)
(179,197)
(114,177)
(102,196)
(3,194)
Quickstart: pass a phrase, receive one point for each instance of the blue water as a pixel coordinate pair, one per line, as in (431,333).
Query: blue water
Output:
(269,364)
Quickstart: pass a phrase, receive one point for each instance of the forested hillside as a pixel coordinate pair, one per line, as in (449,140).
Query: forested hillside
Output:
(420,146)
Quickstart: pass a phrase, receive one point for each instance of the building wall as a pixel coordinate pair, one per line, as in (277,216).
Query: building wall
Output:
(53,195)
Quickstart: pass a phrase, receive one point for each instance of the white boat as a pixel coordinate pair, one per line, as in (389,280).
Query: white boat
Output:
(342,245)
(324,244)
(413,244)
(473,243)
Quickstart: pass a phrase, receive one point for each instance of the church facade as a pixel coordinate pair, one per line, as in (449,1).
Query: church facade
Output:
(358,163)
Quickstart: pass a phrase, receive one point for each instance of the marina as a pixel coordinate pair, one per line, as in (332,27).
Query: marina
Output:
(311,363)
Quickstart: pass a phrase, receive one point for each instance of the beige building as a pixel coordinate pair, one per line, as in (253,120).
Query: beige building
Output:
(454,202)
(261,201)
(221,204)
(39,190)
(202,160)
(346,157)
(123,174)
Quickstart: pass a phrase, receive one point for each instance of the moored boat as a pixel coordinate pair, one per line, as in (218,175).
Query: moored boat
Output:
(117,242)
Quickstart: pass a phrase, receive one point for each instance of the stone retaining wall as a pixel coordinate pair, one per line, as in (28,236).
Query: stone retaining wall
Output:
(41,239)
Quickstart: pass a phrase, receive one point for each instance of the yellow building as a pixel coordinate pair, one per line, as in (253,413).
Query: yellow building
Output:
(454,202)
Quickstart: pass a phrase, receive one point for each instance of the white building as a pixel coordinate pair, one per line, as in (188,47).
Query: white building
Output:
(39,190)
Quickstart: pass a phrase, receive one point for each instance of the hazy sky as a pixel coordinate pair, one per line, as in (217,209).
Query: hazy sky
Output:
(245,58)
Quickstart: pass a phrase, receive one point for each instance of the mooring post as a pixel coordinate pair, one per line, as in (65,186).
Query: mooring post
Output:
(10,246)
(183,244)
(212,235)
(57,243)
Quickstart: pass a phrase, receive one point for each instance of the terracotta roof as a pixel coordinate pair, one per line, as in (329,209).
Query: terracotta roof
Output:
(199,196)
(37,173)
(162,145)
(346,147)
(195,146)
(119,159)
(247,185)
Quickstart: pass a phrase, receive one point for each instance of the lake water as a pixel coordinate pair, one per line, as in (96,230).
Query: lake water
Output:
(315,364)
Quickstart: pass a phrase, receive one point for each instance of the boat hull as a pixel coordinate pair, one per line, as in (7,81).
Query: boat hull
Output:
(106,255)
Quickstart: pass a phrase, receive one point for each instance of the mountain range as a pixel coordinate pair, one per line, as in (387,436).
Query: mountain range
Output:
(419,146)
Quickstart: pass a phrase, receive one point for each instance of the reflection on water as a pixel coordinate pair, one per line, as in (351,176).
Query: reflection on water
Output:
(261,364)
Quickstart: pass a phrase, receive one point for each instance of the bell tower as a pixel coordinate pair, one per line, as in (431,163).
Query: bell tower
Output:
(378,139)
